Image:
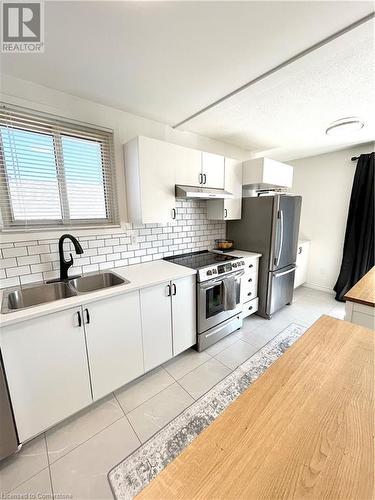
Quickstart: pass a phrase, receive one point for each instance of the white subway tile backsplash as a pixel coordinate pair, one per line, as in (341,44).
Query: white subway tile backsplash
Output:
(10,282)
(39,268)
(37,260)
(31,259)
(17,271)
(38,249)
(31,278)
(4,263)
(90,268)
(14,252)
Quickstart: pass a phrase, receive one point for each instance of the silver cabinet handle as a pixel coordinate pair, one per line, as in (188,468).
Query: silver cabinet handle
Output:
(204,178)
(173,213)
(277,275)
(168,290)
(225,213)
(281,237)
(174,288)
(79,319)
(200,178)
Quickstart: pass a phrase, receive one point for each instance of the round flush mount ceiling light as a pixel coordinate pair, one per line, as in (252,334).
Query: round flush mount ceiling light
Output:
(345,126)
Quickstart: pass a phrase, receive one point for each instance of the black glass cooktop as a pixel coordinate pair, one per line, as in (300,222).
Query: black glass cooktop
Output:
(196,260)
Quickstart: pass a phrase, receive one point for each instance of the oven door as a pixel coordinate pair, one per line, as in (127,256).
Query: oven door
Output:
(210,302)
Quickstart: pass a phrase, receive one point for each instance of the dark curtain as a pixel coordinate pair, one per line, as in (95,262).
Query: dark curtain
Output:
(358,254)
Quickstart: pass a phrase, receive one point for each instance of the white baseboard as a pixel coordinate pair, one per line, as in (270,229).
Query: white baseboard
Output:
(325,289)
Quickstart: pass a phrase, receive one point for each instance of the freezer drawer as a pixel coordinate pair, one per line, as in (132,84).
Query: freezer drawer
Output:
(280,289)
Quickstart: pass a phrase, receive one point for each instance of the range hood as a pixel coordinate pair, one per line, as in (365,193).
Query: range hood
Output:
(203,193)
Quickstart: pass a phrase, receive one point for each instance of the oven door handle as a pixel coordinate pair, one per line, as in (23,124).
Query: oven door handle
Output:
(212,283)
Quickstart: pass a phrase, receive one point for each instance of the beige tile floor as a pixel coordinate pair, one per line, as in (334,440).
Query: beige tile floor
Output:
(73,459)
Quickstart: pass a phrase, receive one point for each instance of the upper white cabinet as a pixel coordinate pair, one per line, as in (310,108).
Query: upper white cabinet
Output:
(228,209)
(188,166)
(183,313)
(150,180)
(212,170)
(263,173)
(114,342)
(46,366)
(153,168)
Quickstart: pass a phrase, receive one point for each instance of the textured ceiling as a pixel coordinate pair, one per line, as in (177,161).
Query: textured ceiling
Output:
(285,115)
(166,60)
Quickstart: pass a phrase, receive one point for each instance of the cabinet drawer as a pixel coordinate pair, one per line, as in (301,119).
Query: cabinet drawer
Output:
(251,266)
(248,292)
(249,308)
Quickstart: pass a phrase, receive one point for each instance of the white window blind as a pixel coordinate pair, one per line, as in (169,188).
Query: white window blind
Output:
(54,173)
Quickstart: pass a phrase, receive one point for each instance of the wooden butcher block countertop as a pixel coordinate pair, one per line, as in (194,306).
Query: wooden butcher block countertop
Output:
(304,429)
(363,292)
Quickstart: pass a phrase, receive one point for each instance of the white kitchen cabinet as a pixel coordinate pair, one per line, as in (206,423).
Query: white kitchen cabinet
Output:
(114,342)
(156,324)
(184,314)
(264,173)
(47,371)
(188,166)
(302,262)
(228,209)
(150,167)
(213,170)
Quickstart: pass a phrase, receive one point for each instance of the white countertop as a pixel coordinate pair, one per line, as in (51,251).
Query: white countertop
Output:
(139,275)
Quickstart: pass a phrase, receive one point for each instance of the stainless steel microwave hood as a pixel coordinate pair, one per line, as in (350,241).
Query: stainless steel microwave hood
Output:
(203,193)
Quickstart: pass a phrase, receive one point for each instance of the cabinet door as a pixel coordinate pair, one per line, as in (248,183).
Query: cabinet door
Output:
(114,342)
(302,264)
(157,180)
(46,366)
(233,184)
(156,324)
(213,170)
(184,314)
(188,166)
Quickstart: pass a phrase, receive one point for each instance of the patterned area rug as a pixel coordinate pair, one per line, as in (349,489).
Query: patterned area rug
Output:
(131,475)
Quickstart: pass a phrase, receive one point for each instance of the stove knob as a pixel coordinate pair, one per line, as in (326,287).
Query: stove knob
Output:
(243,262)
(234,265)
(214,271)
(209,272)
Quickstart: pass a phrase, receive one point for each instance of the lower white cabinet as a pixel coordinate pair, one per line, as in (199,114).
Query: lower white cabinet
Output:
(114,342)
(302,262)
(46,366)
(249,287)
(168,320)
(184,314)
(156,324)
(59,363)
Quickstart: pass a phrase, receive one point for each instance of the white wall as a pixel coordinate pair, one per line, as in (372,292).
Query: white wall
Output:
(325,183)
(125,125)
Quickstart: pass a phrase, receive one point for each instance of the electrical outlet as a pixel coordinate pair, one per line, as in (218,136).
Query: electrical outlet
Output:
(134,239)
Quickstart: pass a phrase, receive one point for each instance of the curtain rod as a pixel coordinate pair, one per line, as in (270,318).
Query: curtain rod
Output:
(354,158)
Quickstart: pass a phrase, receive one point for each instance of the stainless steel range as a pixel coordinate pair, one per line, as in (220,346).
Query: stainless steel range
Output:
(218,294)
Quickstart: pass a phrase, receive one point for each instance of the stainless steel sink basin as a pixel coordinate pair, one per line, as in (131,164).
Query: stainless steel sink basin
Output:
(33,295)
(94,282)
(27,297)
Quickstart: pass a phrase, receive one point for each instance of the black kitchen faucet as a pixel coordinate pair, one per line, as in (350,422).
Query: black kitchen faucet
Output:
(65,264)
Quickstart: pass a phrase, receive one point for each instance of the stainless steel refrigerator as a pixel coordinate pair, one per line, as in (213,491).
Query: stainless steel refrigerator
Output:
(270,226)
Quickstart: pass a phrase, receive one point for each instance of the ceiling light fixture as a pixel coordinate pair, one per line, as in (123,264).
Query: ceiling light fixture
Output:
(345,126)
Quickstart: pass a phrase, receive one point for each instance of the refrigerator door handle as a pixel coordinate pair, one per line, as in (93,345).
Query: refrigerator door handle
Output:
(281,237)
(277,275)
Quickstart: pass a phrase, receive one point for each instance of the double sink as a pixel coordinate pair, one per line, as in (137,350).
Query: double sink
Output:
(49,292)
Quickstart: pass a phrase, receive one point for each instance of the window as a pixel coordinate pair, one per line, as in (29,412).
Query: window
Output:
(53,173)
